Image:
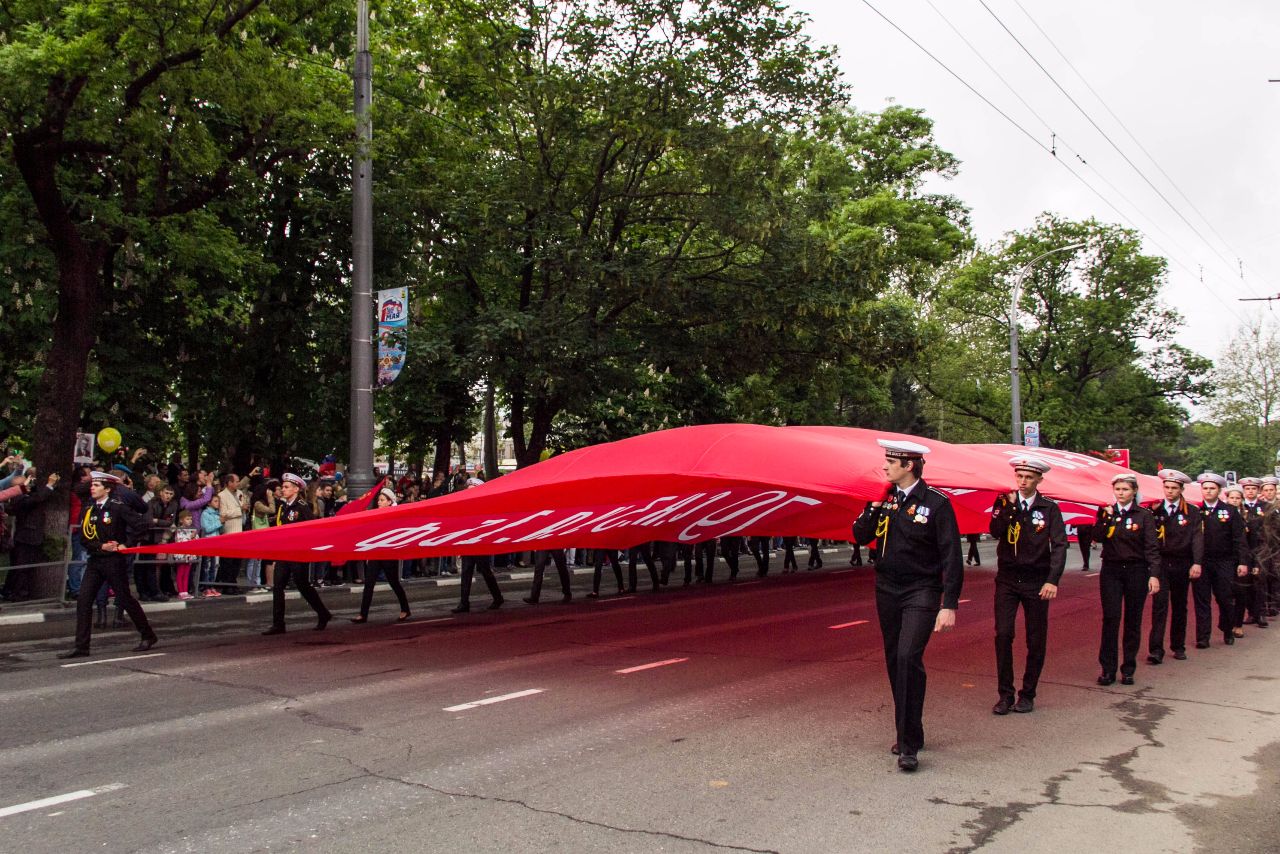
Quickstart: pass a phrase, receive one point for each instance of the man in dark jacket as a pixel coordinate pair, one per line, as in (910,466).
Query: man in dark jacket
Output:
(26,514)
(1130,571)
(1226,557)
(1031,553)
(918,578)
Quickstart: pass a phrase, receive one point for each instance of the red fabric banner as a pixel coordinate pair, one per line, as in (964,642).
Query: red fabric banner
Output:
(683,485)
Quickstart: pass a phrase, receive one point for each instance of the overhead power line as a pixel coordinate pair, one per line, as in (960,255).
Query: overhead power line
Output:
(1040,144)
(1105,135)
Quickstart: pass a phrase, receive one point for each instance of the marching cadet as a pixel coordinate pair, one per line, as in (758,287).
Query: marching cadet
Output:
(1031,553)
(1181,535)
(562,570)
(1225,558)
(106,526)
(1269,560)
(759,547)
(919,575)
(601,555)
(1130,570)
(293,508)
(1243,588)
(1253,509)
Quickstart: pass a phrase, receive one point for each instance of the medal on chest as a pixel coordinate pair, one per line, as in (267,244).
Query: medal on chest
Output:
(106,517)
(919,514)
(1223,515)
(1037,520)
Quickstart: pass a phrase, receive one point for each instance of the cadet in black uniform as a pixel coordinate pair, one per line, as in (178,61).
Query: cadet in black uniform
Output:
(919,574)
(1031,553)
(705,560)
(601,556)
(1249,591)
(759,547)
(730,549)
(1181,535)
(1226,556)
(293,508)
(1130,570)
(107,525)
(643,551)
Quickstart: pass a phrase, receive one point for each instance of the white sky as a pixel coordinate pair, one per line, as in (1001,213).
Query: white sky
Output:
(1189,79)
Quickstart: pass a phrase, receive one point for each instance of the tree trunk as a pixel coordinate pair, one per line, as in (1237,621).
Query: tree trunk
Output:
(490,433)
(444,445)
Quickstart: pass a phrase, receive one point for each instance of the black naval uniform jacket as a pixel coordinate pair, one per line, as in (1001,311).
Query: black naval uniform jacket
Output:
(1031,544)
(298,510)
(919,541)
(1224,534)
(1181,533)
(1253,528)
(1130,536)
(112,520)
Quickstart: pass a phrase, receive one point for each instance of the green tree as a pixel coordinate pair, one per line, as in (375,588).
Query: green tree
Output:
(1098,361)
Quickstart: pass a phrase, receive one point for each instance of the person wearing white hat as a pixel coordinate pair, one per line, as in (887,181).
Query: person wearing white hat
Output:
(1181,535)
(1249,591)
(106,526)
(1268,491)
(919,575)
(1130,570)
(292,509)
(1226,556)
(1031,554)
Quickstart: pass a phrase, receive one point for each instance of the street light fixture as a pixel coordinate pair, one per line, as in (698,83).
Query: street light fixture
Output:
(1015,391)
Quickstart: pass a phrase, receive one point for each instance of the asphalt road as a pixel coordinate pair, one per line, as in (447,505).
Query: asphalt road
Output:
(759,726)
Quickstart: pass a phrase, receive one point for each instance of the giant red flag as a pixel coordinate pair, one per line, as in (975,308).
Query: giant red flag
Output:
(684,485)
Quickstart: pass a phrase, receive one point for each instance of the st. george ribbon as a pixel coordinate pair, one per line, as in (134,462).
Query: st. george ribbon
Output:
(684,485)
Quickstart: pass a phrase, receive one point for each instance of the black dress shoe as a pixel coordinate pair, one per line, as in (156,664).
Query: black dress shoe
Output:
(146,644)
(1228,638)
(1024,705)
(1262,624)
(567,599)
(1202,644)
(1107,679)
(894,749)
(274,630)
(322,621)
(496,604)
(1179,655)
(908,763)
(1002,706)
(1126,680)
(593,595)
(360,619)
(74,653)
(461,609)
(529,600)
(1154,659)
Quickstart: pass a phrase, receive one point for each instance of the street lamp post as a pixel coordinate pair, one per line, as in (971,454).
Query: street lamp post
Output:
(1014,388)
(360,460)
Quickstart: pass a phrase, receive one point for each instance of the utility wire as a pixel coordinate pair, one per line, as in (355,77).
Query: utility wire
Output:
(1106,136)
(1230,309)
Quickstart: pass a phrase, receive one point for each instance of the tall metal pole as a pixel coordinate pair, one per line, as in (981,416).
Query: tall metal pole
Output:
(360,462)
(1015,391)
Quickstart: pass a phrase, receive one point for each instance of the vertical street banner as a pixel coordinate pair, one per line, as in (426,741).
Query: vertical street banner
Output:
(393,323)
(1031,434)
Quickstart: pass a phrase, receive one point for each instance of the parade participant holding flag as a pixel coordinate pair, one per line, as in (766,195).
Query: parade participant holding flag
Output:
(1130,570)
(293,508)
(389,569)
(106,526)
(918,579)
(1031,553)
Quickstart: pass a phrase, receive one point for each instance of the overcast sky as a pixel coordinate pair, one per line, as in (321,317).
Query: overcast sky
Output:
(1188,79)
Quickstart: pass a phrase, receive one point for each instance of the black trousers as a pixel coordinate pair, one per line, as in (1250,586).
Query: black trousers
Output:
(789,553)
(601,556)
(1246,595)
(729,549)
(112,570)
(855,559)
(1175,581)
(686,554)
(391,570)
(301,575)
(760,551)
(471,564)
(1010,593)
(18,581)
(666,554)
(644,552)
(144,578)
(973,555)
(907,614)
(705,558)
(815,554)
(1085,541)
(540,567)
(228,574)
(1214,583)
(1123,587)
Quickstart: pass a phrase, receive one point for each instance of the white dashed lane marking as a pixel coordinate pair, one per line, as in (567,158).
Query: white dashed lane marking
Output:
(651,665)
(488,701)
(58,799)
(110,660)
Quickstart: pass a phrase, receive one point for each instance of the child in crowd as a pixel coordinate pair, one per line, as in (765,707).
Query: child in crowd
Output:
(185,533)
(210,526)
